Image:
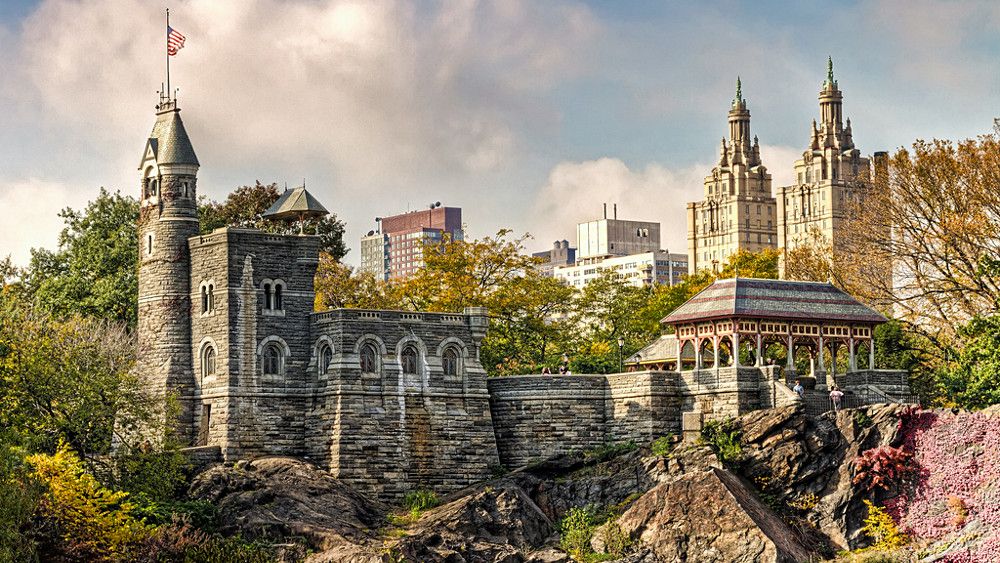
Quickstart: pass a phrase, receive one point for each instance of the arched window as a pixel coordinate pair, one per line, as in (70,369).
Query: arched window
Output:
(368,359)
(204,299)
(450,362)
(211,297)
(267,296)
(208,361)
(325,358)
(278,305)
(271,360)
(409,360)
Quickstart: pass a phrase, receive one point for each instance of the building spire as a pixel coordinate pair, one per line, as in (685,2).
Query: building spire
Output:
(829,69)
(739,91)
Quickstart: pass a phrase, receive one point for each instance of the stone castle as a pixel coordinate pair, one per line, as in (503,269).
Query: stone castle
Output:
(389,401)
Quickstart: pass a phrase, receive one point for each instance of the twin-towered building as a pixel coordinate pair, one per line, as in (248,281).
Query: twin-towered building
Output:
(740,211)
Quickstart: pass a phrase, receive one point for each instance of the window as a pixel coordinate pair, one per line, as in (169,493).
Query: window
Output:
(211,297)
(271,362)
(267,296)
(204,299)
(325,358)
(409,360)
(368,359)
(450,362)
(278,305)
(208,361)
(149,244)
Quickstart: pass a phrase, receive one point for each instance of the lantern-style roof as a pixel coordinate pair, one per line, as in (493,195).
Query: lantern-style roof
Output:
(296,204)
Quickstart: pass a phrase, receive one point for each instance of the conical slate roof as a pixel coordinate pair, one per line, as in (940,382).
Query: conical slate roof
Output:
(773,299)
(295,204)
(170,141)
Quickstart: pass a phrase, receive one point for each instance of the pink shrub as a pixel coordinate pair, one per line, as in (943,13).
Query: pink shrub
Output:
(884,467)
(959,460)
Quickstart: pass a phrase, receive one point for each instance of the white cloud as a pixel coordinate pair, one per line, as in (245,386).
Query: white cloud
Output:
(575,191)
(30,210)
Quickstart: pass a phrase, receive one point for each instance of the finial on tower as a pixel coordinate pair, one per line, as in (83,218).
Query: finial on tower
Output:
(739,90)
(829,69)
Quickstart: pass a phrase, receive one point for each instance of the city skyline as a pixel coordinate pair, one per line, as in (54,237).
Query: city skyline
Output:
(507,110)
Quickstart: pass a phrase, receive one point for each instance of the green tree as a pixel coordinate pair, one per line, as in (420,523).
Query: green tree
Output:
(93,271)
(245,206)
(19,496)
(66,379)
(972,381)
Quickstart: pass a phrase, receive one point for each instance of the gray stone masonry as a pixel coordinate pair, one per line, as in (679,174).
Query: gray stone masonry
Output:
(537,416)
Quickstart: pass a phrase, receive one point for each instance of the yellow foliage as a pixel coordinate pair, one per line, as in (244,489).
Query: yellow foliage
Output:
(882,529)
(95,522)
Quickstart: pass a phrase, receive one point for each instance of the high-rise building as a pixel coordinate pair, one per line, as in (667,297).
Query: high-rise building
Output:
(738,211)
(830,174)
(615,237)
(396,250)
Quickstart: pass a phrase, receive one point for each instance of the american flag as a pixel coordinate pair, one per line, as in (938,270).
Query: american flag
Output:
(175,41)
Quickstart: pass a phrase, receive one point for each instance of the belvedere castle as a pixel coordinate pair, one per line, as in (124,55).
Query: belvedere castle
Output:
(391,401)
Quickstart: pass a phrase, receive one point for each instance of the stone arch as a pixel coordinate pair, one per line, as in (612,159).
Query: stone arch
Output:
(285,354)
(206,344)
(322,344)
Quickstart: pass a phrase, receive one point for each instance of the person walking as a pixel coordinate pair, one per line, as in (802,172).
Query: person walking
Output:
(836,397)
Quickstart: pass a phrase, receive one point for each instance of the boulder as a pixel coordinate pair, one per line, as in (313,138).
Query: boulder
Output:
(710,516)
(281,498)
(498,524)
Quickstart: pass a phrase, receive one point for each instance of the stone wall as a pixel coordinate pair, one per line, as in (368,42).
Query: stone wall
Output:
(720,393)
(389,432)
(537,416)
(250,413)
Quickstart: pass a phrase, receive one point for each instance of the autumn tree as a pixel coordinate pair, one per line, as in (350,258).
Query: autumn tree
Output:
(338,285)
(933,221)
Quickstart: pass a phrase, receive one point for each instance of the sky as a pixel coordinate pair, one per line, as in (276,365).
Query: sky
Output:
(528,115)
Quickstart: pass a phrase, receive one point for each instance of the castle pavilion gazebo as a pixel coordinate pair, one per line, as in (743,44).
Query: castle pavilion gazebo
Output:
(750,314)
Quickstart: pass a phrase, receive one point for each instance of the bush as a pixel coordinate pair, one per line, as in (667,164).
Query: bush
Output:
(19,495)
(87,520)
(575,529)
(616,541)
(183,543)
(882,529)
(160,476)
(883,468)
(663,445)
(420,500)
(609,450)
(724,437)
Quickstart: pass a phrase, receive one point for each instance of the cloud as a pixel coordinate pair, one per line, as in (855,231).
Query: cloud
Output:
(575,190)
(30,210)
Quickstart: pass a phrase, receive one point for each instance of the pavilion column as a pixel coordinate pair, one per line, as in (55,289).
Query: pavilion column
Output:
(680,349)
(736,349)
(760,359)
(790,364)
(697,353)
(821,376)
(715,348)
(833,359)
(851,365)
(871,353)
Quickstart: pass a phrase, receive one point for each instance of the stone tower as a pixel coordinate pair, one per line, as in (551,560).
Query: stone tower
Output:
(829,175)
(168,215)
(738,211)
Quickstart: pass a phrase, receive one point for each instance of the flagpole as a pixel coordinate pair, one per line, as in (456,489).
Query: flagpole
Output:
(167,51)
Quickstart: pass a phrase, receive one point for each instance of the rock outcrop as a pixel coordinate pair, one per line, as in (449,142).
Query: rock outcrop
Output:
(281,498)
(711,516)
(790,498)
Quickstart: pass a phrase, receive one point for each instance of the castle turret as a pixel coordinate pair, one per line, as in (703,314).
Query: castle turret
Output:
(168,215)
